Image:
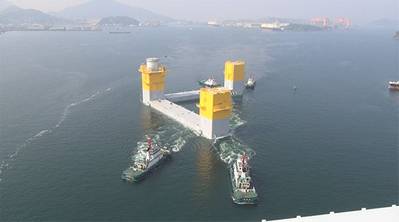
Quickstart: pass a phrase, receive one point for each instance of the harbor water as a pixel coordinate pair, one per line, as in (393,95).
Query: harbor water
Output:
(321,127)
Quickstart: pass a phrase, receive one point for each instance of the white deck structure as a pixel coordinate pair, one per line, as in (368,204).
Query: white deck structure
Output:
(386,214)
(182,115)
(183,96)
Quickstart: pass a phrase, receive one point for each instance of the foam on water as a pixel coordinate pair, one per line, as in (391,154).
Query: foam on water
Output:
(178,145)
(231,148)
(66,111)
(169,135)
(5,163)
(235,120)
(174,137)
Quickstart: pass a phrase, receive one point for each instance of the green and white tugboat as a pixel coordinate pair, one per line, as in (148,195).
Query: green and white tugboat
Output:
(153,156)
(210,83)
(243,187)
(251,83)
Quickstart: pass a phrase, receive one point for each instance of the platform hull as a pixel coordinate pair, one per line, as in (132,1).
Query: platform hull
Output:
(237,87)
(212,129)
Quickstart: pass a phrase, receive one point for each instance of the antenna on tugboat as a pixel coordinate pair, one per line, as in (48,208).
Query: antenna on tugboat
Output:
(149,142)
(244,159)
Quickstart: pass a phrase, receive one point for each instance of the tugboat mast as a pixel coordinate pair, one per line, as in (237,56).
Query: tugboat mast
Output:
(149,142)
(244,162)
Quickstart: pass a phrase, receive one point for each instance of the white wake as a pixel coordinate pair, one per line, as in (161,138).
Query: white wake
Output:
(5,163)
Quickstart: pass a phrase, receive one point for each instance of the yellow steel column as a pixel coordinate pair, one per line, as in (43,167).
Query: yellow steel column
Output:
(234,73)
(152,80)
(215,111)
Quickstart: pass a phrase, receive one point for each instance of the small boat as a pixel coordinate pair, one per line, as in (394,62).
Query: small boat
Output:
(393,85)
(243,187)
(154,155)
(251,83)
(211,83)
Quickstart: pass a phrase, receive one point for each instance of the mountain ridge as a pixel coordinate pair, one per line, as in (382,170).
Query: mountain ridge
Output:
(17,16)
(108,8)
(118,21)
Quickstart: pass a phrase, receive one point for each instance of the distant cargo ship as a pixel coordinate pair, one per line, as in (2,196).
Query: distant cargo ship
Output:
(243,187)
(394,85)
(154,155)
(213,24)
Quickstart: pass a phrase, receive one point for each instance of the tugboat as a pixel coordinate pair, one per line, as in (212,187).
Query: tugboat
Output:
(154,155)
(243,187)
(251,83)
(210,83)
(393,85)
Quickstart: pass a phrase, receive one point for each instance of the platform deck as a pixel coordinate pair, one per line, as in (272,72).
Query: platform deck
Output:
(180,114)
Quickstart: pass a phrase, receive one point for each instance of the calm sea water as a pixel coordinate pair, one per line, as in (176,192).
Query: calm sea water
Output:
(71,118)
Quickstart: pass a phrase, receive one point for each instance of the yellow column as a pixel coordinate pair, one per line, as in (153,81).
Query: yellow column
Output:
(215,111)
(152,80)
(234,73)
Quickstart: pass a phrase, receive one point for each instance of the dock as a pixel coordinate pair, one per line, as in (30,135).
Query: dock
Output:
(386,214)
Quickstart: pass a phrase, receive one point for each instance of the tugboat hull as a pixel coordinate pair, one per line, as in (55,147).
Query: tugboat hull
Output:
(250,86)
(394,88)
(202,83)
(137,176)
(237,199)
(393,85)
(241,198)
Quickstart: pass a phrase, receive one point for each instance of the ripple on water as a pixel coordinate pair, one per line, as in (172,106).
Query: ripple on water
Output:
(5,163)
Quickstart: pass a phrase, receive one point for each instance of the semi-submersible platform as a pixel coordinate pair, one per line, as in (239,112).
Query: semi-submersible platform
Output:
(215,104)
(215,109)
(212,122)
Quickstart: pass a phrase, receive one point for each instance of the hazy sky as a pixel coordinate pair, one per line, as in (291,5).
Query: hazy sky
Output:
(359,10)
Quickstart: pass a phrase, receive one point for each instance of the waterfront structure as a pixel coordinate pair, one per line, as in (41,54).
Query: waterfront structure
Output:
(274,26)
(213,23)
(326,23)
(386,214)
(342,22)
(321,21)
(215,104)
